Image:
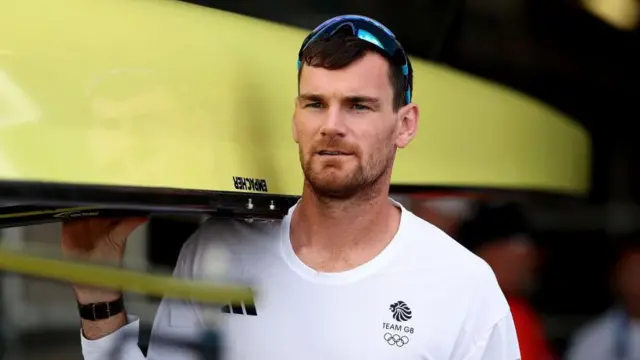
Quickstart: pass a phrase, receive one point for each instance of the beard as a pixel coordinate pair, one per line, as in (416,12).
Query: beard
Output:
(340,179)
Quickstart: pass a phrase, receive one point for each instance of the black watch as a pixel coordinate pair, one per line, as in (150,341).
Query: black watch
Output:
(102,310)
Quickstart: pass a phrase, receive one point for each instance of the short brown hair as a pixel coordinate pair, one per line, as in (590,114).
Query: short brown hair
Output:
(341,50)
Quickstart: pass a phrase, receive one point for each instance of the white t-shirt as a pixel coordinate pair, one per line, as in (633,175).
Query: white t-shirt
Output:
(598,340)
(423,297)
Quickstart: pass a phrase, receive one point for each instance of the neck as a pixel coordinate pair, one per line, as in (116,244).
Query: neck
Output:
(329,228)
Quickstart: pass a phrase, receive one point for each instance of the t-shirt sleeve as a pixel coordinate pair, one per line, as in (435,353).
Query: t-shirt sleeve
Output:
(178,320)
(489,331)
(122,344)
(499,343)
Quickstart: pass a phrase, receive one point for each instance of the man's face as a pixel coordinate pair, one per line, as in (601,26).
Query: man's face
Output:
(346,128)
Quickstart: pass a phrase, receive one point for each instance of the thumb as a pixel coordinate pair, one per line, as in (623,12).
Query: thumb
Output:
(127,226)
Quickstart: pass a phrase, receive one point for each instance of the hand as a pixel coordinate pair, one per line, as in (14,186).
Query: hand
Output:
(100,240)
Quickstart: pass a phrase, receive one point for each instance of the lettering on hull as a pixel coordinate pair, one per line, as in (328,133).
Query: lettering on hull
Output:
(251,184)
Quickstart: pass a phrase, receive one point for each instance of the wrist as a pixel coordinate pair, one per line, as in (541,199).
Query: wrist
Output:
(90,296)
(101,310)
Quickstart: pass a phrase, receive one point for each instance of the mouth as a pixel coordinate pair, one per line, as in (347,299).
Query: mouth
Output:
(332,153)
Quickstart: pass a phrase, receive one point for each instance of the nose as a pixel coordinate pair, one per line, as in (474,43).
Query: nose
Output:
(334,123)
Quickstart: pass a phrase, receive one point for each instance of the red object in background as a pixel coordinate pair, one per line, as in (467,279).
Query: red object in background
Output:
(531,336)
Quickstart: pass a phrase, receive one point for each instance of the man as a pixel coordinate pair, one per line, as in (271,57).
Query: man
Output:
(615,335)
(348,273)
(499,235)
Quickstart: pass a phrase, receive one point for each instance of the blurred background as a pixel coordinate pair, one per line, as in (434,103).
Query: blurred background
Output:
(575,259)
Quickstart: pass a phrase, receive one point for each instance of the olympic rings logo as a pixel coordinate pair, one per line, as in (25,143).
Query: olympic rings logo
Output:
(396,340)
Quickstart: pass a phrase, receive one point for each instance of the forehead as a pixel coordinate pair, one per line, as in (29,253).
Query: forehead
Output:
(367,76)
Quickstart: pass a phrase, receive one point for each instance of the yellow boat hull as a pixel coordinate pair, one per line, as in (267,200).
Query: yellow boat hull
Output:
(143,93)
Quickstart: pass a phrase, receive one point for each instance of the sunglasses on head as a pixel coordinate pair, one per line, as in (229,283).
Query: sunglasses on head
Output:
(368,30)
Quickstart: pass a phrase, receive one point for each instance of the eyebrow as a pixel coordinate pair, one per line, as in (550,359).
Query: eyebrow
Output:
(310,97)
(362,99)
(349,99)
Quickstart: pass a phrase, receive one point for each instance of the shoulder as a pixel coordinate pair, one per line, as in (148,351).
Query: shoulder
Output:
(220,247)
(467,277)
(433,247)
(236,232)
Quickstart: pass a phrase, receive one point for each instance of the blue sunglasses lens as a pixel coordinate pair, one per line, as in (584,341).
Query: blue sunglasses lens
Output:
(365,28)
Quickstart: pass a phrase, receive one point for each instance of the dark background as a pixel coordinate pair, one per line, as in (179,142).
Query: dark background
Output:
(554,50)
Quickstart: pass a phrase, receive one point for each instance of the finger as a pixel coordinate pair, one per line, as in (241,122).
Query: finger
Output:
(86,224)
(125,227)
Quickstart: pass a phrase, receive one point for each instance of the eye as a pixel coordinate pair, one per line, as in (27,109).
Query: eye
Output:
(314,105)
(360,107)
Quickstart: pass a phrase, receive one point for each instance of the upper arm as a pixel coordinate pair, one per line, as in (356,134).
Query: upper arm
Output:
(210,254)
(178,319)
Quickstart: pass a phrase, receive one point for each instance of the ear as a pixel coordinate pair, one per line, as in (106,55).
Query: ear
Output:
(407,125)
(294,129)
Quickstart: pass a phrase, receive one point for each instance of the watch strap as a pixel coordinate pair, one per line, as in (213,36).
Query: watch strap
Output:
(101,310)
